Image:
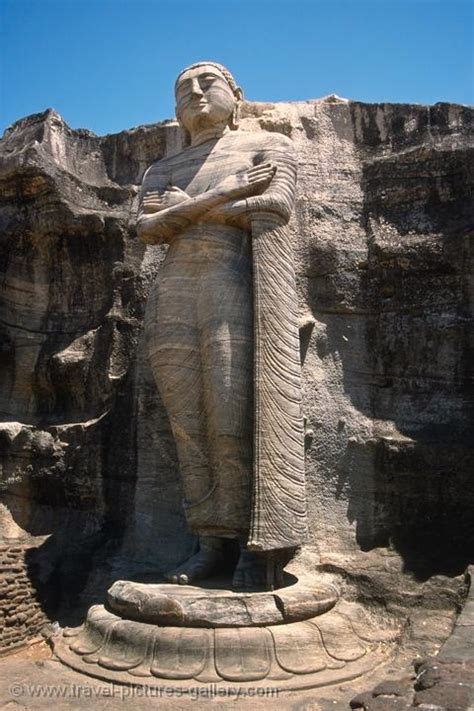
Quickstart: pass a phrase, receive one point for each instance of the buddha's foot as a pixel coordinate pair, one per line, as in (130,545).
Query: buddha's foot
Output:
(251,571)
(200,565)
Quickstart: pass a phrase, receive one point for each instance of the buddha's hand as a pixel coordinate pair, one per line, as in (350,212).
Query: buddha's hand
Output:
(253,181)
(232,212)
(156,201)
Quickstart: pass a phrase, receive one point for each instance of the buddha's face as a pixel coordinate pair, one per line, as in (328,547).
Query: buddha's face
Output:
(203,98)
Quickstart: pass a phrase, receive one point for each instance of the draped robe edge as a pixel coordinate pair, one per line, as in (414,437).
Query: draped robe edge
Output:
(278,513)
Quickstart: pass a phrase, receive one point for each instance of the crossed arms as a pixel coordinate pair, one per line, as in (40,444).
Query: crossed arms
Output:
(266,187)
(164,215)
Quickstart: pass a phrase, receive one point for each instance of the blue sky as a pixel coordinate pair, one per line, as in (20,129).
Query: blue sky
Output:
(107,65)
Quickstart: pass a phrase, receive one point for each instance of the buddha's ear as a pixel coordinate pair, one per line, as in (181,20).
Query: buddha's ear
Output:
(235,118)
(187,137)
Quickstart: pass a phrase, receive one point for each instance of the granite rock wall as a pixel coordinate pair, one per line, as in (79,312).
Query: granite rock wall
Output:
(383,247)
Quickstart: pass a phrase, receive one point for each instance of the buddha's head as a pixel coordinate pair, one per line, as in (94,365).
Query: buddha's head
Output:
(206,97)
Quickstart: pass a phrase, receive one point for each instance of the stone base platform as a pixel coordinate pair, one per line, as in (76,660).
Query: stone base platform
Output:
(293,638)
(190,606)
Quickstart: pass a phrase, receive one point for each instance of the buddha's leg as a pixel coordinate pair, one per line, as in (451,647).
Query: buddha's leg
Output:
(226,319)
(179,380)
(176,368)
(175,360)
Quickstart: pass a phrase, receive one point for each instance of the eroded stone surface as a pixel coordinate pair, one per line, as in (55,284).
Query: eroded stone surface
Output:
(191,606)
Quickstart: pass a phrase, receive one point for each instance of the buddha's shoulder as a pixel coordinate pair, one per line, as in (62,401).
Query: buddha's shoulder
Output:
(260,140)
(233,142)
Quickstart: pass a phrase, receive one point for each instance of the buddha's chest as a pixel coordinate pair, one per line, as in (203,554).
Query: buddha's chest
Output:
(201,173)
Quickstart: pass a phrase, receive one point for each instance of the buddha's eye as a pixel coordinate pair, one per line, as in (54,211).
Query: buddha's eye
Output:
(207,81)
(185,85)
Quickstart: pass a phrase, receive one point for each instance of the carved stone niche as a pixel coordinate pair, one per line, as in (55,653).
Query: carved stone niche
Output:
(300,636)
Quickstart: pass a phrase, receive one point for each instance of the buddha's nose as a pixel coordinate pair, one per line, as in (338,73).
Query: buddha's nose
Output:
(195,88)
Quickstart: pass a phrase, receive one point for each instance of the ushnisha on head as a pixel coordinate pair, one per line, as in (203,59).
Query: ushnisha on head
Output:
(207,99)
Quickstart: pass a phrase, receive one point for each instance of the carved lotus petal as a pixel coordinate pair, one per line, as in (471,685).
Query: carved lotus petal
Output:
(180,652)
(126,646)
(94,631)
(386,630)
(243,654)
(299,648)
(339,637)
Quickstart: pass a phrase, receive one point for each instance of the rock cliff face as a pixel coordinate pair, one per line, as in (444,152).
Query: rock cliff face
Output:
(383,242)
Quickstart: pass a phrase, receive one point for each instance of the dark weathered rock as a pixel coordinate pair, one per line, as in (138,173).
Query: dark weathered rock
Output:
(442,681)
(448,679)
(382,236)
